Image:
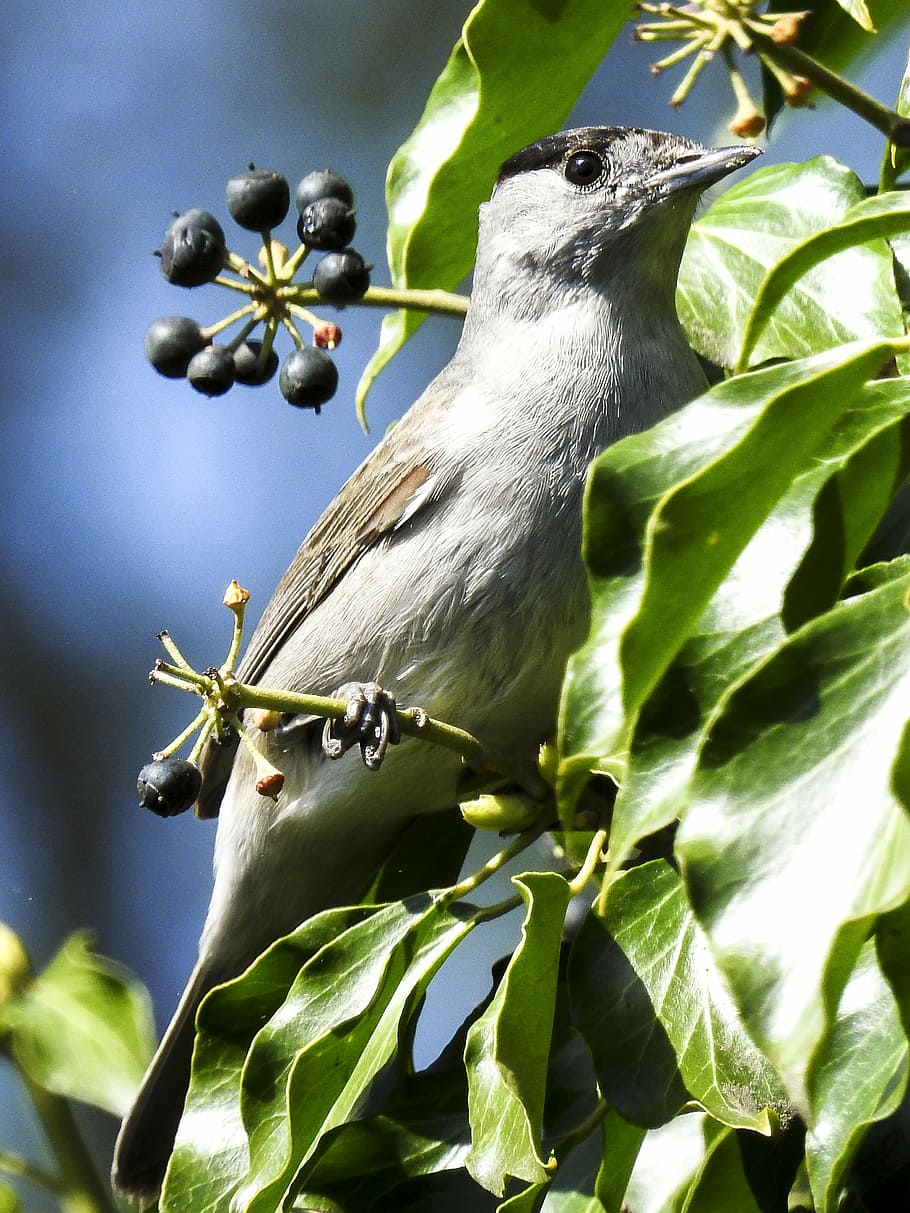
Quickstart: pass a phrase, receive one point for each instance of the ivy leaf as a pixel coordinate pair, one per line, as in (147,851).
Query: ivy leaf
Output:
(513,76)
(83,1028)
(507,1048)
(858,1076)
(793,568)
(653,1009)
(211,1154)
(665,520)
(754,225)
(859,12)
(795,804)
(873,219)
(9,1199)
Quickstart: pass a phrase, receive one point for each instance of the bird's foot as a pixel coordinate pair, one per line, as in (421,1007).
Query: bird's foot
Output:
(370,721)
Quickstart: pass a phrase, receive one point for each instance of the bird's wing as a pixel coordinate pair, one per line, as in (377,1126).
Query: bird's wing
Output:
(395,482)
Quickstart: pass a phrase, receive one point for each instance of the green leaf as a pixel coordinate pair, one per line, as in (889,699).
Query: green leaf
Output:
(620,1149)
(83,1028)
(858,1076)
(507,1049)
(512,77)
(859,12)
(872,219)
(650,1004)
(669,1160)
(743,1173)
(9,1199)
(795,838)
(793,568)
(753,226)
(666,519)
(211,1154)
(312,1065)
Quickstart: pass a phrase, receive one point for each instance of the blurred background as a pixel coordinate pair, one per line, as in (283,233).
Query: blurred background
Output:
(129,501)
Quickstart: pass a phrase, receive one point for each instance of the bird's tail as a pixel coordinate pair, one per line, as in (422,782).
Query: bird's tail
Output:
(147,1134)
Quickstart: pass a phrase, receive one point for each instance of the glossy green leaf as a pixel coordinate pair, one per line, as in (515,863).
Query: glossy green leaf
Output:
(871,220)
(9,1199)
(793,568)
(83,1028)
(755,224)
(211,1155)
(795,838)
(666,519)
(621,1143)
(859,12)
(668,1161)
(858,1076)
(312,1065)
(512,77)
(661,1027)
(744,1173)
(507,1048)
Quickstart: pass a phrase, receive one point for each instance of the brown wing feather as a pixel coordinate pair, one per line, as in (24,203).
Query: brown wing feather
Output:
(372,503)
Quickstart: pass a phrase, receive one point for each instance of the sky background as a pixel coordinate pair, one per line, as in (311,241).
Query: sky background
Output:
(129,501)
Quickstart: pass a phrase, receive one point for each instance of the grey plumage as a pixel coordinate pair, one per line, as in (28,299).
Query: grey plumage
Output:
(448,566)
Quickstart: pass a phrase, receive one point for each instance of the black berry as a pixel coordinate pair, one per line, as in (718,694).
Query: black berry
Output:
(322,184)
(342,278)
(258,199)
(193,249)
(249,365)
(171,342)
(327,223)
(212,371)
(168,786)
(308,378)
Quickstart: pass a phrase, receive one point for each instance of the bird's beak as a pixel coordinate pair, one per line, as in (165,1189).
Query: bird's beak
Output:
(698,170)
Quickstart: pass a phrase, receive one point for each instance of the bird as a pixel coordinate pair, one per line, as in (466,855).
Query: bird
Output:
(448,568)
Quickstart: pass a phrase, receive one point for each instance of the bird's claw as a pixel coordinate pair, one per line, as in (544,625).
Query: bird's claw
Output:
(370,721)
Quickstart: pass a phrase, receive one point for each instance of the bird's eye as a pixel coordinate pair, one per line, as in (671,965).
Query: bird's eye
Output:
(584,168)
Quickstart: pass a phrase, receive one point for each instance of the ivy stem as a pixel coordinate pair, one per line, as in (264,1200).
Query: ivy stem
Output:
(20,1168)
(445,303)
(78,1187)
(592,859)
(794,60)
(493,865)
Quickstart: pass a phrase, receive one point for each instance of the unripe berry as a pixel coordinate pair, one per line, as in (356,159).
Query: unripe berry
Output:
(258,199)
(342,277)
(211,371)
(308,378)
(171,342)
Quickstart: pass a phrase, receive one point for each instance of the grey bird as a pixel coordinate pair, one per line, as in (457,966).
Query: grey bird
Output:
(448,567)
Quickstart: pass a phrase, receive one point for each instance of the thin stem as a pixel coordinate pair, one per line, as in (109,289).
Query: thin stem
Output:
(498,861)
(293,264)
(171,648)
(445,303)
(200,681)
(205,733)
(413,721)
(21,1168)
(792,59)
(592,859)
(234,285)
(196,723)
(80,1190)
(220,325)
(582,1130)
(245,270)
(181,683)
(304,314)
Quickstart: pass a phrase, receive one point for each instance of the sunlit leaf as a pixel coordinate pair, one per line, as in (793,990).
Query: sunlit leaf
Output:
(858,1077)
(512,77)
(507,1049)
(795,838)
(755,224)
(83,1028)
(660,1024)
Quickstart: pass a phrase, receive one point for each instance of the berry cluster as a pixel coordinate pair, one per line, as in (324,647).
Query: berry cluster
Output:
(194,251)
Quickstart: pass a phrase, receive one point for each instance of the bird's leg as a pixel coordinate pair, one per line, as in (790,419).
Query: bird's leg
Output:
(370,721)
